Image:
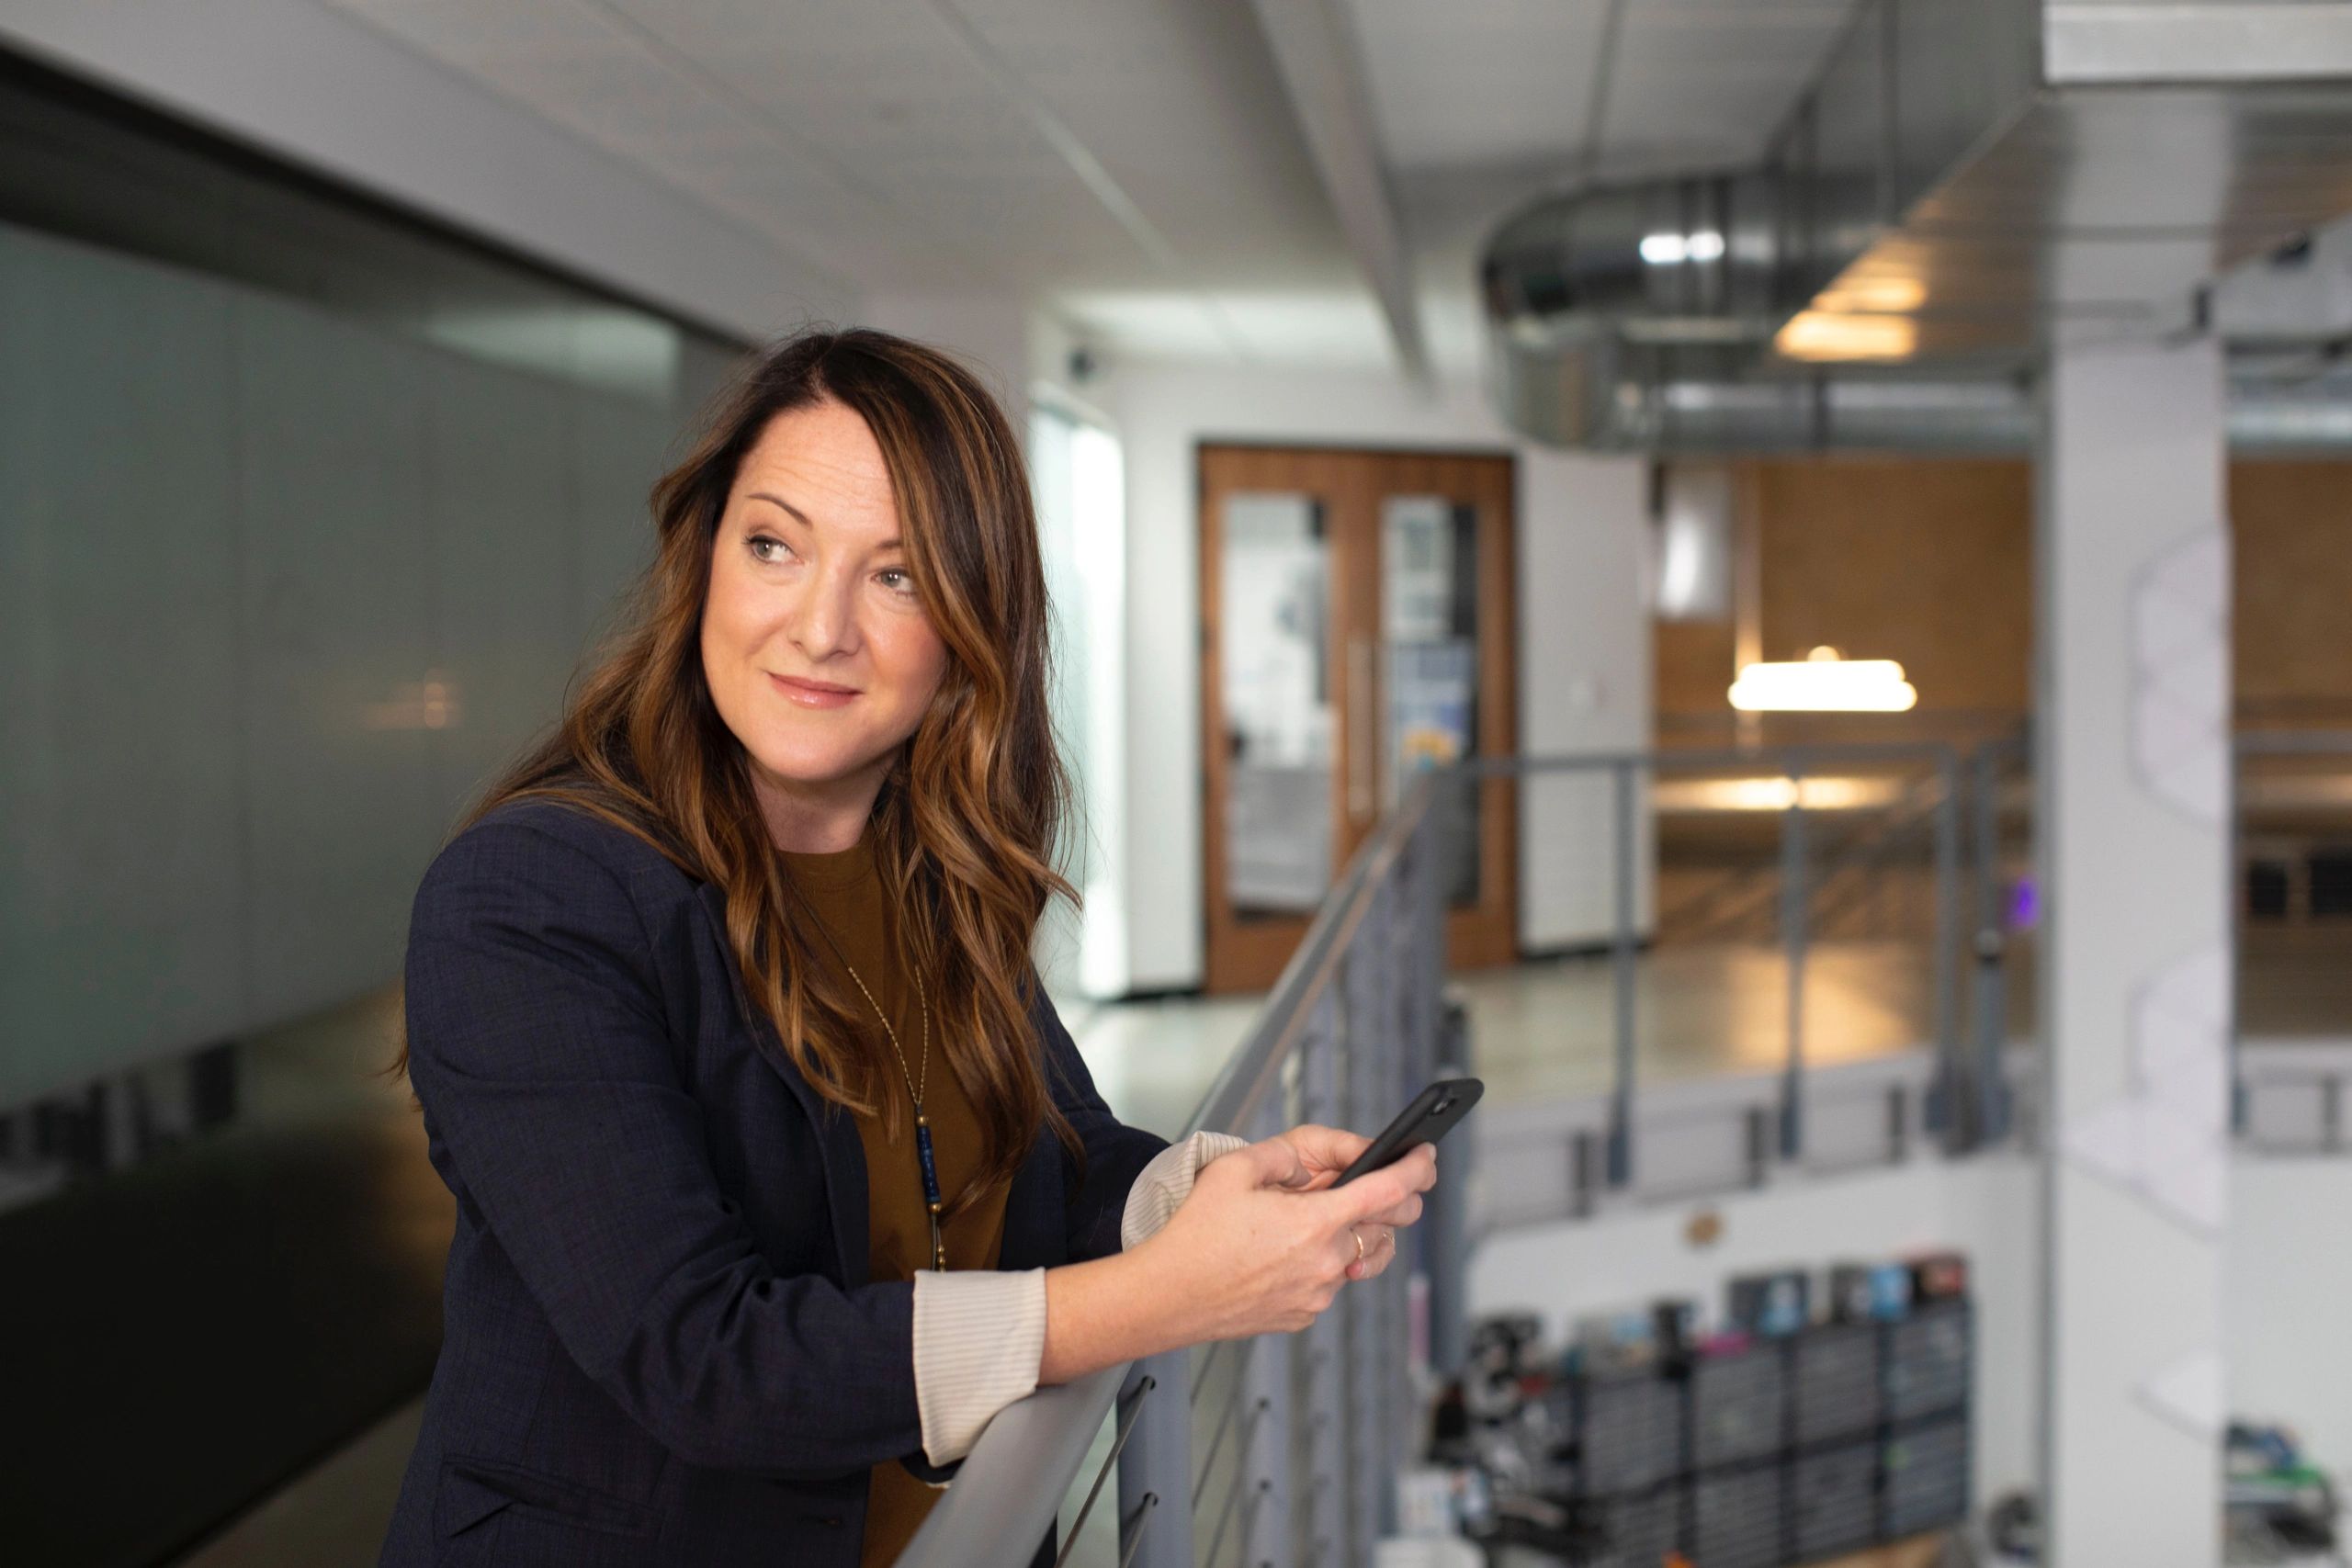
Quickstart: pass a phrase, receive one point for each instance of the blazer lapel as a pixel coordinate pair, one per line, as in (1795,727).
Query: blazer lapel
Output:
(844,1155)
(1035,1204)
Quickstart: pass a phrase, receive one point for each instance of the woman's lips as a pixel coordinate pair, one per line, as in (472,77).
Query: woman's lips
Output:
(811,696)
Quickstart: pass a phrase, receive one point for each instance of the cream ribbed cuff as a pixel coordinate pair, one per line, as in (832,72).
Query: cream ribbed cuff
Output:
(1167,1181)
(980,1334)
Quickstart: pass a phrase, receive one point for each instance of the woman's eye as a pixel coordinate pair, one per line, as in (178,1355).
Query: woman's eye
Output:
(905,584)
(756,543)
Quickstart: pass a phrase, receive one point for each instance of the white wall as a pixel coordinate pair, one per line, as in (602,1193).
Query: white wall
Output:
(2286,1282)
(1565,1269)
(1584,646)
(325,90)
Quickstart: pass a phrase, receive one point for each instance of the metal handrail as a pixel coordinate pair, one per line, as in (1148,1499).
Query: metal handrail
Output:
(1240,1086)
(1006,1495)
(2291,742)
(1865,849)
(1793,760)
(1352,1013)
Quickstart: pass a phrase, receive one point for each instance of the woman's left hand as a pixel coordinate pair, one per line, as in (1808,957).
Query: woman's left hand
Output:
(1323,1153)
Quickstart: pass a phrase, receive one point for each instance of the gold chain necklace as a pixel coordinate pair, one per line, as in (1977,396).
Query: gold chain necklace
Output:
(922,1124)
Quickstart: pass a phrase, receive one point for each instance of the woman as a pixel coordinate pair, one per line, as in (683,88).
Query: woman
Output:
(777,1175)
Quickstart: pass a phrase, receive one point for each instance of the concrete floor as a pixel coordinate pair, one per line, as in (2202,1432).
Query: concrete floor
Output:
(225,1311)
(334,1515)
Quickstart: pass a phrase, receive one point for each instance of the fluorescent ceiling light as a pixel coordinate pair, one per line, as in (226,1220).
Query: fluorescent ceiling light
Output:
(1824,685)
(1667,249)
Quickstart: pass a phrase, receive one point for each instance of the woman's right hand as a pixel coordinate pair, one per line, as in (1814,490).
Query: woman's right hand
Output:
(1251,1253)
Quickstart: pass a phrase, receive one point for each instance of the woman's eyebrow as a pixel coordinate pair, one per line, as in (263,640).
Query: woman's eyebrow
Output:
(890,544)
(779,500)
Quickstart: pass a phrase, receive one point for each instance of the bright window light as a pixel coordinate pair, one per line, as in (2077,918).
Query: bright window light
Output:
(1825,684)
(1706,245)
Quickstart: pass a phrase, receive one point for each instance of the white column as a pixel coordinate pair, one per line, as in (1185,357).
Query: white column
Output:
(2133,733)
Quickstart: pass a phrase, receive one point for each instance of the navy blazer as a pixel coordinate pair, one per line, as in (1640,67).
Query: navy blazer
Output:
(660,1344)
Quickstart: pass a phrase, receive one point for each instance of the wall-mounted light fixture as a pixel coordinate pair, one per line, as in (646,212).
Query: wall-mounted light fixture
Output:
(1824,682)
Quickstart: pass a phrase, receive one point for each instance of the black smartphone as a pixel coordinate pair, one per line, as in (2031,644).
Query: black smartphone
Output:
(1431,1116)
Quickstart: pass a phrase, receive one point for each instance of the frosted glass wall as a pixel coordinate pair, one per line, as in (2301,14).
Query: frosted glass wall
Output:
(277,590)
(1081,525)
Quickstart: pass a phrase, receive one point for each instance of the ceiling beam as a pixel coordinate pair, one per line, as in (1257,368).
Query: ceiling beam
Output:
(1323,73)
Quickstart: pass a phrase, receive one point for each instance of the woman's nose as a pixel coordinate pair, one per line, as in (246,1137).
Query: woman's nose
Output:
(821,620)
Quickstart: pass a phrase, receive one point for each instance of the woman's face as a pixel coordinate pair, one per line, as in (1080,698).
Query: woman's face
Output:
(808,584)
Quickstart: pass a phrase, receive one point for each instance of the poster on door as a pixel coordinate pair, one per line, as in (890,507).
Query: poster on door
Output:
(1430,704)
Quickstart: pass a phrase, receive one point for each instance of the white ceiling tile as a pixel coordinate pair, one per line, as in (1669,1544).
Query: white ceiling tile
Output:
(929,143)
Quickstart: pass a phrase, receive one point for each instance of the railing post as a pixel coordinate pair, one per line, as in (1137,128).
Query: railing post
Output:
(1400,1422)
(1792,933)
(1624,962)
(1945,1112)
(1264,1468)
(1369,1358)
(1365,1360)
(1155,1467)
(2235,813)
(1265,1457)
(1322,1489)
(1445,1245)
(1402,1066)
(1991,952)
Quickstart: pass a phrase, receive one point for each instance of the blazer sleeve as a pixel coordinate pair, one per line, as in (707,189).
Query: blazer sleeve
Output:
(538,1048)
(1115,1152)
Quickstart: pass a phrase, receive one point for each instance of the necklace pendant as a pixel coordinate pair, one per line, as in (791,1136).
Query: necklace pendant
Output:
(930,1191)
(930,1165)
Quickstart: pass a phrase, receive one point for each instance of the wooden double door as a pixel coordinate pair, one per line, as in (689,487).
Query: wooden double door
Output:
(1357,623)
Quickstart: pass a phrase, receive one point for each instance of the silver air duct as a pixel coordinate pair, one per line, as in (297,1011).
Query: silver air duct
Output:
(1965,180)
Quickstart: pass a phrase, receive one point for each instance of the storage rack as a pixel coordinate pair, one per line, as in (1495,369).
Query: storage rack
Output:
(1780,1451)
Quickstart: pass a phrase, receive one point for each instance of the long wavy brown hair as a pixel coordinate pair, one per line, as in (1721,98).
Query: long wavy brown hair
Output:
(964,826)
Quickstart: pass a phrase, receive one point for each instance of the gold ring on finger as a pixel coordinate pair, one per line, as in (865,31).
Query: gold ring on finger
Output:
(1359,1241)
